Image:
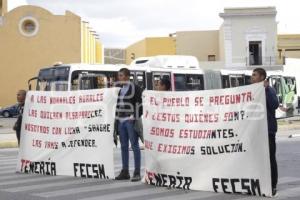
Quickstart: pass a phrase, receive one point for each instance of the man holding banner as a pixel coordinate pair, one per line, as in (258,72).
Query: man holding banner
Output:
(128,110)
(21,95)
(259,75)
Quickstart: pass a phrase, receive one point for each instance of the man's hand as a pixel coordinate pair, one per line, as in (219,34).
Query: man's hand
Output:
(116,141)
(15,127)
(131,118)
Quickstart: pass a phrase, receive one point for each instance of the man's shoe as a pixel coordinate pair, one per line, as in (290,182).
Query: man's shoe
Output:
(274,192)
(136,177)
(124,175)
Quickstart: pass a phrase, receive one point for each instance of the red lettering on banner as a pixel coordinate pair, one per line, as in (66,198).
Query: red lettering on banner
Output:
(166,117)
(32,113)
(165,132)
(206,134)
(199,101)
(36,128)
(230,99)
(176,101)
(41,99)
(153,101)
(148,145)
(62,100)
(32,99)
(56,130)
(50,115)
(176,149)
(201,118)
(51,145)
(37,143)
(90,98)
(78,115)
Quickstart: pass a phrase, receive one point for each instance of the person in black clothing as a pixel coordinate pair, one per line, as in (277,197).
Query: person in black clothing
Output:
(259,75)
(21,95)
(128,110)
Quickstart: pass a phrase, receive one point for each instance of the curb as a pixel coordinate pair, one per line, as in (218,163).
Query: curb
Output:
(294,135)
(8,144)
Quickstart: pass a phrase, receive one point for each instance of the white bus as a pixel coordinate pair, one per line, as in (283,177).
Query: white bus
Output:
(184,73)
(66,77)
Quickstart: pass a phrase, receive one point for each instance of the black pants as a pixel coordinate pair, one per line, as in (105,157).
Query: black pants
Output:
(18,134)
(274,171)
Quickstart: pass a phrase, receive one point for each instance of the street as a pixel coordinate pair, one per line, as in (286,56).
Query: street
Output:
(33,187)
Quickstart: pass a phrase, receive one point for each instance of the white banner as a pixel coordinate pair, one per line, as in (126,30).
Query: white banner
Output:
(215,140)
(68,133)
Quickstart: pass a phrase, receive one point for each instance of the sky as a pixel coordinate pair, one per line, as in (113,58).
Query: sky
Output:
(121,23)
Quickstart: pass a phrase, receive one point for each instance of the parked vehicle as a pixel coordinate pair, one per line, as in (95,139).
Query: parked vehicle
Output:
(10,111)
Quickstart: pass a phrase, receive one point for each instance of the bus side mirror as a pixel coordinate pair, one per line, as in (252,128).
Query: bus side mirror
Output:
(29,82)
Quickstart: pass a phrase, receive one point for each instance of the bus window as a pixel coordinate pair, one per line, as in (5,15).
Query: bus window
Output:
(93,81)
(275,82)
(111,79)
(87,83)
(101,81)
(291,83)
(156,76)
(236,80)
(59,86)
(165,76)
(140,80)
(180,82)
(85,80)
(194,82)
(241,80)
(53,79)
(247,80)
(155,81)
(149,81)
(225,81)
(131,77)
(75,81)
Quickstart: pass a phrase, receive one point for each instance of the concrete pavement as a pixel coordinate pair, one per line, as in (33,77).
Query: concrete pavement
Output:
(39,187)
(7,135)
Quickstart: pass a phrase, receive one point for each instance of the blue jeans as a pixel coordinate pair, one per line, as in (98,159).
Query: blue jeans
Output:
(127,132)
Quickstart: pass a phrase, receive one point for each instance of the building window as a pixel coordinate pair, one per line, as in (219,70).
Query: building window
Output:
(28,26)
(132,56)
(211,57)
(255,53)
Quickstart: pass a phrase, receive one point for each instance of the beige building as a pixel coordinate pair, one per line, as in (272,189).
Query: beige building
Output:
(150,47)
(114,56)
(288,46)
(246,39)
(202,44)
(32,37)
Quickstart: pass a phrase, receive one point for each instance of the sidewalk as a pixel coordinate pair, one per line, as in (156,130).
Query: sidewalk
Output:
(7,135)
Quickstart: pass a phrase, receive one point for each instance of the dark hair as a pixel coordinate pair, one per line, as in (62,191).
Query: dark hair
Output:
(261,72)
(125,71)
(23,92)
(166,82)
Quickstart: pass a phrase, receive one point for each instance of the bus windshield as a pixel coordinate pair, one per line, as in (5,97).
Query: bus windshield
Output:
(53,79)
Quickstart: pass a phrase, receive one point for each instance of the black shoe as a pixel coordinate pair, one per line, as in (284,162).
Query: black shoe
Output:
(124,175)
(274,192)
(136,177)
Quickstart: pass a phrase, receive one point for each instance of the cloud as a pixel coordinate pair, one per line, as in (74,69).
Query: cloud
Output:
(115,32)
(121,23)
